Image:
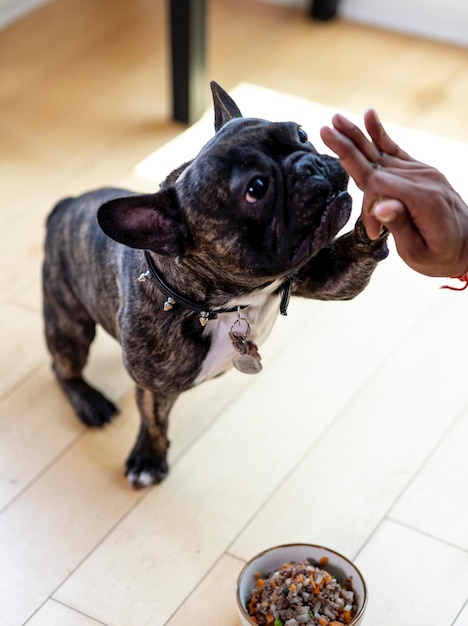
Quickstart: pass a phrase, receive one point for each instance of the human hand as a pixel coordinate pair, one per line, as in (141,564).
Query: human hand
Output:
(414,201)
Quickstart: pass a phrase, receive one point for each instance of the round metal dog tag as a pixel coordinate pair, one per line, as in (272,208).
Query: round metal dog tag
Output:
(247,363)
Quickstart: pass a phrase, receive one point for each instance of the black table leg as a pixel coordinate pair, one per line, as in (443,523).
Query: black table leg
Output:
(324,9)
(189,84)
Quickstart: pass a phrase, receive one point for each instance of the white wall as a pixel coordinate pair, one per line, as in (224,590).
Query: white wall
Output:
(440,19)
(10,10)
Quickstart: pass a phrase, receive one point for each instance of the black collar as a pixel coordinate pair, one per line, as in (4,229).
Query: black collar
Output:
(205,314)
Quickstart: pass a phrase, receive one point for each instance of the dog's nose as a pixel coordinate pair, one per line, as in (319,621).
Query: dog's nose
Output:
(310,165)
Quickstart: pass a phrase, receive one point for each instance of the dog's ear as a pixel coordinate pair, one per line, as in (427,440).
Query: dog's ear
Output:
(149,222)
(225,108)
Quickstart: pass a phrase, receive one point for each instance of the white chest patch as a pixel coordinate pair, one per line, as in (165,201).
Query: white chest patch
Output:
(261,313)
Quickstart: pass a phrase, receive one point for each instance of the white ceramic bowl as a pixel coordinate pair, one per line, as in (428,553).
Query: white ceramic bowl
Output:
(272,559)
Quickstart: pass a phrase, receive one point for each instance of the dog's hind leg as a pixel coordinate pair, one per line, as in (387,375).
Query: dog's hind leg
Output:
(147,463)
(69,331)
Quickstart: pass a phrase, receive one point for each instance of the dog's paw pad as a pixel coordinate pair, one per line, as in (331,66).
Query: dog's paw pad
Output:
(142,474)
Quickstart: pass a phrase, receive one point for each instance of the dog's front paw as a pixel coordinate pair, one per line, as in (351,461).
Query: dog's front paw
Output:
(143,472)
(377,248)
(91,406)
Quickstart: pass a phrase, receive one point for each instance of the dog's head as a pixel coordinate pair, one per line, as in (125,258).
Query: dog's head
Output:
(258,201)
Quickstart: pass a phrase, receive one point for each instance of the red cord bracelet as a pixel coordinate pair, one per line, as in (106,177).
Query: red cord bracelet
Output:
(463,279)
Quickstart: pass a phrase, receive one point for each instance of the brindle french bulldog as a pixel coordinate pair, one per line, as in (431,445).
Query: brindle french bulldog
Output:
(190,279)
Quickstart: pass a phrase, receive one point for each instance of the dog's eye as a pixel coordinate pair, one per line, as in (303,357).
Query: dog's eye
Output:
(303,138)
(256,189)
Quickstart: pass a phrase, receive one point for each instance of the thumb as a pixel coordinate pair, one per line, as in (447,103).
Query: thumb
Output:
(391,213)
(395,217)
(383,212)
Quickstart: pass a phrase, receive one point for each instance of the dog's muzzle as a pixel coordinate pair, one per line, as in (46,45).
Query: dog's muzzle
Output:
(319,203)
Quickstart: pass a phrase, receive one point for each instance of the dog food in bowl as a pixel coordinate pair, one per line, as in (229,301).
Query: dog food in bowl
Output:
(333,594)
(301,593)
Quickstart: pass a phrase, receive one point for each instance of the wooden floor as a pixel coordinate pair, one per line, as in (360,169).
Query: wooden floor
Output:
(355,434)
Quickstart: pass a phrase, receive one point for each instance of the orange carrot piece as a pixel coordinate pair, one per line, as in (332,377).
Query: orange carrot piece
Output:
(323,560)
(252,605)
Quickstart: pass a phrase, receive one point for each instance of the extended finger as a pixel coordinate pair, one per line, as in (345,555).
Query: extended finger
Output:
(355,134)
(381,138)
(352,159)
